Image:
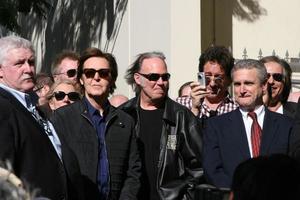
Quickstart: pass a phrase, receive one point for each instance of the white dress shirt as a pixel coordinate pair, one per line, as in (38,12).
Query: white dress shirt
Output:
(260,112)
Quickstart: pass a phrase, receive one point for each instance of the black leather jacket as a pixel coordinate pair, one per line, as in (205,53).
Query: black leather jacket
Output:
(180,159)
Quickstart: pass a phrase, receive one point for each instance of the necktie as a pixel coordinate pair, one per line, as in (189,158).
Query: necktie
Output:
(44,124)
(255,134)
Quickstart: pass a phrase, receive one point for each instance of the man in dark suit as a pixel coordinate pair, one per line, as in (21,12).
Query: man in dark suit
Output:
(237,136)
(27,140)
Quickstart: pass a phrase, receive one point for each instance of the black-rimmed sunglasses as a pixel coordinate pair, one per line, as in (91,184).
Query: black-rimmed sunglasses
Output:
(155,76)
(90,73)
(60,95)
(70,73)
(276,76)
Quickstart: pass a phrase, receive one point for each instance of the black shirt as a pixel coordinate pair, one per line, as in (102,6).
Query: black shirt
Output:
(150,133)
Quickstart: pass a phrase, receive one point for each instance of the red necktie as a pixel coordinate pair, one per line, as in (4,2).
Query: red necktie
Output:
(255,134)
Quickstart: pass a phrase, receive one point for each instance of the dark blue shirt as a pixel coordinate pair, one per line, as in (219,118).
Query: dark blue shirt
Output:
(100,125)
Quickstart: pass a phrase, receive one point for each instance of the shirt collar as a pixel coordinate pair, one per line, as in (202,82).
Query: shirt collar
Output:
(280,109)
(259,111)
(92,111)
(228,99)
(17,94)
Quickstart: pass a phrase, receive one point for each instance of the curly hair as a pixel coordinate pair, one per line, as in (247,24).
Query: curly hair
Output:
(220,55)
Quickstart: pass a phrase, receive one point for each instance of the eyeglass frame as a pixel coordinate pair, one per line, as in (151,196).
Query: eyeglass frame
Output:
(99,71)
(38,88)
(275,77)
(69,71)
(218,79)
(148,76)
(64,95)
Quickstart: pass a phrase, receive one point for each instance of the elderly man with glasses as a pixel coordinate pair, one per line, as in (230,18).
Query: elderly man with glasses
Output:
(102,137)
(170,137)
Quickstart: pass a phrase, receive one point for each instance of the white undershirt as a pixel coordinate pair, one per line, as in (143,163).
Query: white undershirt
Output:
(280,110)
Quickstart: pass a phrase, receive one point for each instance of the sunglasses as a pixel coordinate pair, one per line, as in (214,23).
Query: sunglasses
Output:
(155,76)
(73,96)
(217,79)
(70,73)
(90,73)
(276,76)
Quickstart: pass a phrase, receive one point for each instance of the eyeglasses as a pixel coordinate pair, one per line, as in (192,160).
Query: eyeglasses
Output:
(37,88)
(90,73)
(70,73)
(276,76)
(218,79)
(155,76)
(60,95)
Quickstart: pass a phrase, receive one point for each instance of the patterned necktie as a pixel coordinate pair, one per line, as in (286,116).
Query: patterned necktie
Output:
(255,134)
(45,124)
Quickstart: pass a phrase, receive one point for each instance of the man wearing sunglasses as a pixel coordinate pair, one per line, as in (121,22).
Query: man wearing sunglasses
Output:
(279,83)
(102,137)
(169,134)
(61,93)
(64,66)
(212,98)
(28,141)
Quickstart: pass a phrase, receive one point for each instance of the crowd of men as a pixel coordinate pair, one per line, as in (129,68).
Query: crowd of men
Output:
(64,137)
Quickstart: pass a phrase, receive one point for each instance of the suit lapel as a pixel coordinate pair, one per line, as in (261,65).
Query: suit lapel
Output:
(20,108)
(289,109)
(239,136)
(268,132)
(5,94)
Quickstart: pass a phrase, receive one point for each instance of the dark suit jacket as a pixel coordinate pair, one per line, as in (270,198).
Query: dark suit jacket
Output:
(25,144)
(294,150)
(226,145)
(289,109)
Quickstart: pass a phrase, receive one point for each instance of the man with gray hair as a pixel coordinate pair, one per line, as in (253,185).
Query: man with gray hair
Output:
(249,131)
(28,140)
(170,137)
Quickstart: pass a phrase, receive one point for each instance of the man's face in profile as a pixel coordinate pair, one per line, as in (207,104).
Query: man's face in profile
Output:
(18,69)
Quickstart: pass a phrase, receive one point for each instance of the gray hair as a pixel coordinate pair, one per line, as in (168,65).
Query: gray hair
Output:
(252,64)
(12,42)
(136,67)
